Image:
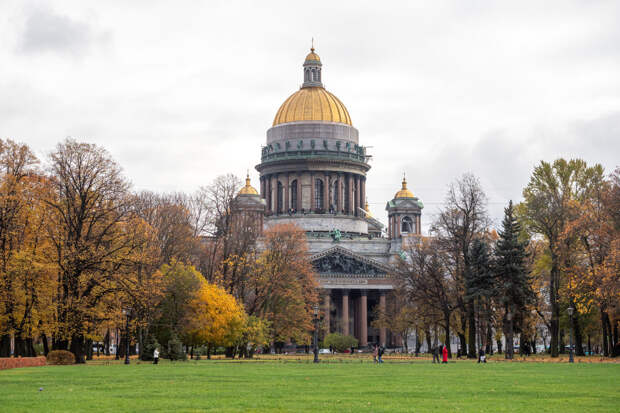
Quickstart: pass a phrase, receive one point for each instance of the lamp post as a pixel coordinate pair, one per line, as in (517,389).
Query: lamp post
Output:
(571,358)
(316,333)
(126,312)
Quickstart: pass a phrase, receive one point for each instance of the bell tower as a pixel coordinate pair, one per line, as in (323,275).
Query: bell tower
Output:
(404,214)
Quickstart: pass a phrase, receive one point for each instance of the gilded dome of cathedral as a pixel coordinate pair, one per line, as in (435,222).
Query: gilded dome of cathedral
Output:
(312,102)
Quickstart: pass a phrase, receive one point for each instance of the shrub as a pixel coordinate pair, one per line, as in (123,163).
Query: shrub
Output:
(60,357)
(149,347)
(175,349)
(339,342)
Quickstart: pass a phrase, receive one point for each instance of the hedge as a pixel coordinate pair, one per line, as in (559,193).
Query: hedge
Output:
(11,363)
(60,357)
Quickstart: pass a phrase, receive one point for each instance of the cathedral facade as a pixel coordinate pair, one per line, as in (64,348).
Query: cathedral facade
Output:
(313,173)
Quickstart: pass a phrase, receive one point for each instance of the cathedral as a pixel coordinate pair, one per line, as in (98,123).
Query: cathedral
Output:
(313,173)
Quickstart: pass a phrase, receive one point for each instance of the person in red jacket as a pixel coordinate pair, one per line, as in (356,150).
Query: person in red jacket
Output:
(444,353)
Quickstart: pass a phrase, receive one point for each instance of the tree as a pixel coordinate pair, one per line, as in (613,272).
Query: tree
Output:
(400,316)
(512,282)
(87,212)
(284,287)
(463,219)
(339,342)
(546,210)
(181,285)
(423,276)
(215,317)
(479,285)
(20,271)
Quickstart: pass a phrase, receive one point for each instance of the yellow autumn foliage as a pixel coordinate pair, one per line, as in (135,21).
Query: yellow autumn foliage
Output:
(216,317)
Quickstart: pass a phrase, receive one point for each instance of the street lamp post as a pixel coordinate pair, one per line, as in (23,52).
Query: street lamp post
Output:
(571,358)
(316,333)
(127,312)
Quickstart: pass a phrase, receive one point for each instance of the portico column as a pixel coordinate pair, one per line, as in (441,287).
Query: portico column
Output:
(274,193)
(382,330)
(345,312)
(363,192)
(364,318)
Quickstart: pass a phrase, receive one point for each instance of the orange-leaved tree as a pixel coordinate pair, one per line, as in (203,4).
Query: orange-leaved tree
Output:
(285,288)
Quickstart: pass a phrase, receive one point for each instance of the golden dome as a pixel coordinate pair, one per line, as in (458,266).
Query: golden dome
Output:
(312,103)
(248,189)
(368,214)
(313,56)
(404,192)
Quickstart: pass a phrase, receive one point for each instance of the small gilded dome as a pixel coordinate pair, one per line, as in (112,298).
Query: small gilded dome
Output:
(248,189)
(368,214)
(313,57)
(312,103)
(404,192)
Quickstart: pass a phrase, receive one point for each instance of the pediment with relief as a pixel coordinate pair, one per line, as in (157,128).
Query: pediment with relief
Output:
(341,261)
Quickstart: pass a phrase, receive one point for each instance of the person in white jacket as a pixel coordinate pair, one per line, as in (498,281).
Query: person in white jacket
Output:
(155,356)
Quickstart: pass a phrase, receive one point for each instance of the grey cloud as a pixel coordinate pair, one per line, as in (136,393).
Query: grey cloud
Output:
(47,31)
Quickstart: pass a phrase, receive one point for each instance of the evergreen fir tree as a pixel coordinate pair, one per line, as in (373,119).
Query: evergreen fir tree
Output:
(512,282)
(479,287)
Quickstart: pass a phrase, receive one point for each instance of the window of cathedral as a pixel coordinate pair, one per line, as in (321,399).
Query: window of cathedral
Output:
(280,198)
(294,195)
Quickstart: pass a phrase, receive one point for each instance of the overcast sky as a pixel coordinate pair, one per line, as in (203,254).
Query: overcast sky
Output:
(182,91)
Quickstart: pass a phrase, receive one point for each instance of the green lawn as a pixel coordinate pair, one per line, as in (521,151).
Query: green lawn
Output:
(328,387)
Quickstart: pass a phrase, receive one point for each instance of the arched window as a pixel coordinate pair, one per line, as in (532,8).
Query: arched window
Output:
(294,195)
(280,197)
(318,195)
(407,225)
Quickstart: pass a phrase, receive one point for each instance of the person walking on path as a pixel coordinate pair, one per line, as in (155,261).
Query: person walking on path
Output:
(375,353)
(445,354)
(155,356)
(435,351)
(380,353)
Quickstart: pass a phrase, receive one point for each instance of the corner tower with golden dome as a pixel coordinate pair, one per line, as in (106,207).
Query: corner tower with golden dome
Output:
(313,173)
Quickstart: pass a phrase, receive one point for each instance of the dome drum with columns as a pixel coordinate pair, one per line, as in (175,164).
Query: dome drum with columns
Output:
(313,173)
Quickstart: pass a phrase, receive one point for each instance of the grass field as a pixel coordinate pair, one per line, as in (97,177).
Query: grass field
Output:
(227,386)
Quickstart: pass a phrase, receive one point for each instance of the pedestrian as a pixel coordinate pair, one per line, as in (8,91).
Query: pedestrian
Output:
(155,356)
(380,354)
(445,354)
(375,353)
(481,357)
(435,351)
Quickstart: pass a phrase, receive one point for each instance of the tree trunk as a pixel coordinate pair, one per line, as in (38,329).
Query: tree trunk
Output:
(106,343)
(562,344)
(589,345)
(5,345)
(578,336)
(46,348)
(208,351)
(447,328)
(19,347)
(89,349)
(418,345)
(471,320)
(499,346)
(554,281)
(429,344)
(509,333)
(489,347)
(77,348)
